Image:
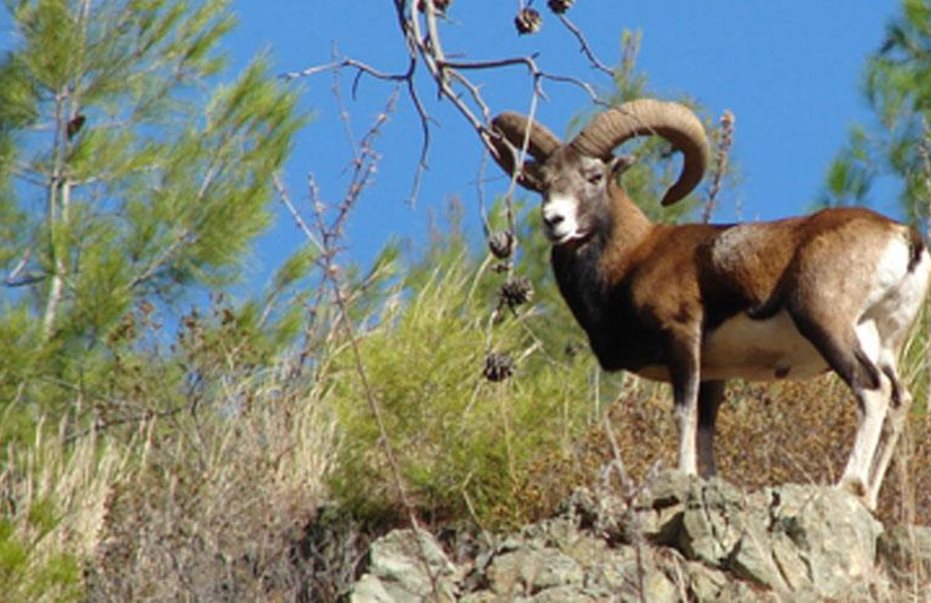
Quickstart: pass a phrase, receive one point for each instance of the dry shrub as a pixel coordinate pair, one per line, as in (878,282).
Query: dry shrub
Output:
(767,434)
(219,501)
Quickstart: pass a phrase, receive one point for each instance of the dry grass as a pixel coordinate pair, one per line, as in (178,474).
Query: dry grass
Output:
(767,434)
(215,506)
(205,506)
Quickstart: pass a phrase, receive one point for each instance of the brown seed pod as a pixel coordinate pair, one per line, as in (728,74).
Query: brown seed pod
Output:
(498,366)
(74,126)
(559,6)
(516,291)
(528,21)
(501,244)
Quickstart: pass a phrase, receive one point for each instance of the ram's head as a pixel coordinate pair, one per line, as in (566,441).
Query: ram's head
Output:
(573,178)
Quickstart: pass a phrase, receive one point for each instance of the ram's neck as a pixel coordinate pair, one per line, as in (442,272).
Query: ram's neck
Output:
(629,228)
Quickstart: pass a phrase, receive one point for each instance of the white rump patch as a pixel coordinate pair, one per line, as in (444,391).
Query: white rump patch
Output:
(897,294)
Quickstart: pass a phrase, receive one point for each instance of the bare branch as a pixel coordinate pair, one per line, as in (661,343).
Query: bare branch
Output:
(295,214)
(361,67)
(588,88)
(422,36)
(586,48)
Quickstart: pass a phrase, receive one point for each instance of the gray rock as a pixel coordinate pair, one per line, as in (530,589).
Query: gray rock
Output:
(658,587)
(658,509)
(791,539)
(408,565)
(617,572)
(369,589)
(624,577)
(562,594)
(706,541)
(717,516)
(834,538)
(705,583)
(529,571)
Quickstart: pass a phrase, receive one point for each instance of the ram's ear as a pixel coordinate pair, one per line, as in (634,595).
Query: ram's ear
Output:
(618,165)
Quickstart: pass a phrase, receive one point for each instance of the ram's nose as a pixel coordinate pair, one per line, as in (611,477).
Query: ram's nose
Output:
(559,219)
(553,218)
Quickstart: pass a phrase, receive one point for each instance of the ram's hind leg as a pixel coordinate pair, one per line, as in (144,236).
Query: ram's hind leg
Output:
(892,429)
(894,317)
(853,353)
(873,406)
(894,322)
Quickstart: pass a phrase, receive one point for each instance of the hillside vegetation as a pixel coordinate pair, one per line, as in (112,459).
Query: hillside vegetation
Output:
(165,440)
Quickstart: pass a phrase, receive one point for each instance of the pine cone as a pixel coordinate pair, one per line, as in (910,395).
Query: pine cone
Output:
(560,6)
(501,244)
(498,366)
(528,21)
(516,291)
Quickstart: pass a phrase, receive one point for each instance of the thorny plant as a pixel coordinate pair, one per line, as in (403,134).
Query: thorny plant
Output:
(325,236)
(726,134)
(420,28)
(456,82)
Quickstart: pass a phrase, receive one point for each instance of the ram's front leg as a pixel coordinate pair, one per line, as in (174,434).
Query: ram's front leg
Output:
(684,369)
(710,396)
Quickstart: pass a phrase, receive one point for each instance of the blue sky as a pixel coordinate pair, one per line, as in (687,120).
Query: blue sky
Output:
(789,70)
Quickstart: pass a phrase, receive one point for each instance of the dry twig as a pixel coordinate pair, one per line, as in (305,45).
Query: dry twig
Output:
(720,165)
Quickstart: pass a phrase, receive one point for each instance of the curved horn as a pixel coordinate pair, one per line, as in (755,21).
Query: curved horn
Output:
(512,128)
(644,117)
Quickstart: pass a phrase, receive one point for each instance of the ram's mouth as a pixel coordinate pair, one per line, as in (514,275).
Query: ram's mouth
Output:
(573,237)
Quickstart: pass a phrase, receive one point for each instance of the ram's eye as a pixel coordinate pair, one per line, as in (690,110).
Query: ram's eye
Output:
(594,177)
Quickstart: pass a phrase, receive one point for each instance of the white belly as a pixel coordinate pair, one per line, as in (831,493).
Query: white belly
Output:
(759,350)
(755,350)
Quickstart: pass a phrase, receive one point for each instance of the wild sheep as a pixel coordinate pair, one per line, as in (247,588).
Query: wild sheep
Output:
(697,304)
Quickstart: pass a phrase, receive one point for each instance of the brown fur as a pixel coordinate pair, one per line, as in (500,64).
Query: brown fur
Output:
(697,304)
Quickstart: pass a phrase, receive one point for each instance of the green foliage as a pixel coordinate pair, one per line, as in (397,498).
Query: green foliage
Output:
(896,85)
(850,173)
(464,444)
(127,176)
(25,574)
(133,172)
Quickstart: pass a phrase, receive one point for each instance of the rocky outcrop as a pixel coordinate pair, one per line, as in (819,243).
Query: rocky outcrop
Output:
(680,539)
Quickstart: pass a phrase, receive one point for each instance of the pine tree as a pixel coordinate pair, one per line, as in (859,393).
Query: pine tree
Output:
(128,176)
(897,86)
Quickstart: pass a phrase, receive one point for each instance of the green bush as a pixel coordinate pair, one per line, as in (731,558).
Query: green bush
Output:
(52,508)
(26,576)
(464,444)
